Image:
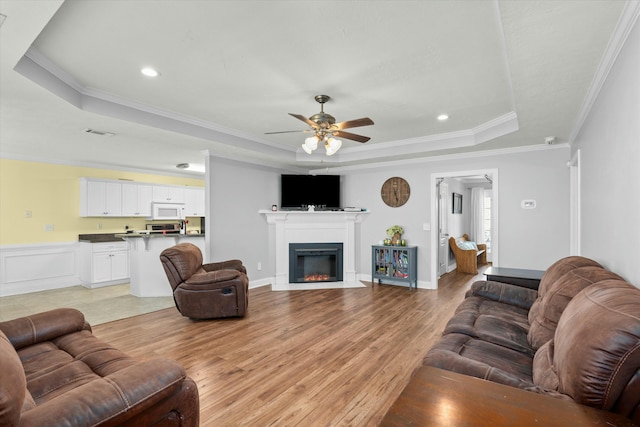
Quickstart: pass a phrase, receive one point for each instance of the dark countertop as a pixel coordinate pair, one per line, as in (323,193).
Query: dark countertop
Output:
(99,238)
(155,235)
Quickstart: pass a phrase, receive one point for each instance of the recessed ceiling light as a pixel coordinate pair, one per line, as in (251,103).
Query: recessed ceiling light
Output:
(443,117)
(98,132)
(149,72)
(190,167)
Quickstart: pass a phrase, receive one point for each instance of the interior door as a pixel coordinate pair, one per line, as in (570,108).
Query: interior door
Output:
(443,231)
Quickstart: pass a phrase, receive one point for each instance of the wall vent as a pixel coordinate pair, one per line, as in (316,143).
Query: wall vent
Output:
(98,132)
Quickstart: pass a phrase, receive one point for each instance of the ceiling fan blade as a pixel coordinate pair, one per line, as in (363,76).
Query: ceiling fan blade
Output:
(289,131)
(352,136)
(304,119)
(365,121)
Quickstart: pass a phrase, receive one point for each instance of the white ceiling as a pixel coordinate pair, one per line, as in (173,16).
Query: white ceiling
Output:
(508,73)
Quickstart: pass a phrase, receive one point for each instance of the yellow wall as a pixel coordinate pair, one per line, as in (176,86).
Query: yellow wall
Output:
(52,193)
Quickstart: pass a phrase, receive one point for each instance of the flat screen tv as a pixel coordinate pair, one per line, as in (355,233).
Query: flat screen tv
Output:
(299,191)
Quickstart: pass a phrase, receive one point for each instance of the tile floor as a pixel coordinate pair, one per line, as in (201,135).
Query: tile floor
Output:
(99,305)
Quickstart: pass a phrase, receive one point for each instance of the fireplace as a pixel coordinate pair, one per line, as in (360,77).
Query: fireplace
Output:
(287,227)
(315,262)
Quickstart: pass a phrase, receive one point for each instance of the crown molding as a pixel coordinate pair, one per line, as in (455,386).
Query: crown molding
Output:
(623,28)
(43,71)
(484,132)
(398,164)
(111,167)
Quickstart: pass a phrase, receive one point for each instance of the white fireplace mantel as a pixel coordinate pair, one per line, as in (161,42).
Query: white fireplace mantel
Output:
(313,227)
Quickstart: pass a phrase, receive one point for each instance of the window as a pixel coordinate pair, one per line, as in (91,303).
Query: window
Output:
(487,219)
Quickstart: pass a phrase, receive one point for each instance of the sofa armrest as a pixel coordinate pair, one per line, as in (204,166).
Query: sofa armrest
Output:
(43,326)
(232,264)
(114,399)
(504,293)
(211,277)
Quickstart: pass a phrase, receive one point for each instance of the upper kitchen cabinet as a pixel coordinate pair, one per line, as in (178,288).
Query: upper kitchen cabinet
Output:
(136,199)
(108,197)
(168,194)
(194,201)
(100,198)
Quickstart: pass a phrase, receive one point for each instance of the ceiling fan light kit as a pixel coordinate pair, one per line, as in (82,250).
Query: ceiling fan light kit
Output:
(332,145)
(310,144)
(326,129)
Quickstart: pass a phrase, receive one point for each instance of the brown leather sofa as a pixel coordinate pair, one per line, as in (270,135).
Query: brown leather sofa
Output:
(205,291)
(53,371)
(577,337)
(467,260)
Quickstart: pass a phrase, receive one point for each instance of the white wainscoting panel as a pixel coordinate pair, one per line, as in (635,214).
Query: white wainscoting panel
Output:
(39,267)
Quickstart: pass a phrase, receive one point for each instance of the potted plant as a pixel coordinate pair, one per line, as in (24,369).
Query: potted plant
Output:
(395,233)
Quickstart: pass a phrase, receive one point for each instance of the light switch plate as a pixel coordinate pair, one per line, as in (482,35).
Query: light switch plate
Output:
(528,204)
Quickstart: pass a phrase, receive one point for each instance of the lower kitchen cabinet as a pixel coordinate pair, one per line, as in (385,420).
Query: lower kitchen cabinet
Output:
(104,264)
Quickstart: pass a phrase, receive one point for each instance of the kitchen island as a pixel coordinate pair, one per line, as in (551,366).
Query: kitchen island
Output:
(148,278)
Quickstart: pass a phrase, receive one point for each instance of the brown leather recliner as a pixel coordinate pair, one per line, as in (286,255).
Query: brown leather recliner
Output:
(205,291)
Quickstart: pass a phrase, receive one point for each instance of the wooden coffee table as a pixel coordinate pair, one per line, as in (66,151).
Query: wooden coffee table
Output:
(435,397)
(516,276)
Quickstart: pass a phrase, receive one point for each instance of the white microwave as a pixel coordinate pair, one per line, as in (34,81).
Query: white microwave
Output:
(164,211)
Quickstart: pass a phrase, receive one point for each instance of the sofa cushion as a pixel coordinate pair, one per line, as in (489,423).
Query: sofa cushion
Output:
(181,262)
(506,293)
(53,368)
(546,311)
(13,385)
(595,353)
(471,356)
(544,373)
(492,321)
(560,267)
(486,307)
(43,326)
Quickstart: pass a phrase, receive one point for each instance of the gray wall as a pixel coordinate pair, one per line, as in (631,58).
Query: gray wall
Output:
(527,239)
(531,239)
(609,144)
(236,191)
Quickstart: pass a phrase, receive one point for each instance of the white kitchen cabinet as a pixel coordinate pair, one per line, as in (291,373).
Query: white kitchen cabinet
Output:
(116,198)
(136,199)
(104,264)
(168,194)
(194,201)
(100,198)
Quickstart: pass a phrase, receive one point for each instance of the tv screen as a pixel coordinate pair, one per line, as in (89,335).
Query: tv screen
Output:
(298,191)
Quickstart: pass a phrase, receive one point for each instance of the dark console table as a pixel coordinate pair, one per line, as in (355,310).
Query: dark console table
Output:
(441,398)
(516,276)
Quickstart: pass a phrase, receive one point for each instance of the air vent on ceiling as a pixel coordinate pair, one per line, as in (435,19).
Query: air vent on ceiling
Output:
(98,132)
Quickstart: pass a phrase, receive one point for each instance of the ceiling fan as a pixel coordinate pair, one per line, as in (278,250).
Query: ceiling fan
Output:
(326,129)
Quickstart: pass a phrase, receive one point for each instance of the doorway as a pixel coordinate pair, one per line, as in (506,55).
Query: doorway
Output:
(443,227)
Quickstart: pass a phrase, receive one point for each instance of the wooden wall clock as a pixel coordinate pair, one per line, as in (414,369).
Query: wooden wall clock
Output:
(395,191)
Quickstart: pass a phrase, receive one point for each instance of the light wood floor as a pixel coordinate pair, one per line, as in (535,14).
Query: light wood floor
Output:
(336,357)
